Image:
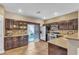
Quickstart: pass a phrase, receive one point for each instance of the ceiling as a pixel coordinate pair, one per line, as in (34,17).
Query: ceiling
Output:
(41,10)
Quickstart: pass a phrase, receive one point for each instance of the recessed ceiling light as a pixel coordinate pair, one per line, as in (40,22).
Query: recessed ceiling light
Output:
(56,13)
(20,10)
(44,17)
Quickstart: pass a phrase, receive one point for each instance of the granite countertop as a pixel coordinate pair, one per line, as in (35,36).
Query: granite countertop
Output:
(72,37)
(16,35)
(62,42)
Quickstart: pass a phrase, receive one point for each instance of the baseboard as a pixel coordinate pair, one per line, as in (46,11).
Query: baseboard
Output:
(42,40)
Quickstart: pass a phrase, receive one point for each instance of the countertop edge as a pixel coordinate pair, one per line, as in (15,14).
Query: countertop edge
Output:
(57,45)
(16,35)
(70,38)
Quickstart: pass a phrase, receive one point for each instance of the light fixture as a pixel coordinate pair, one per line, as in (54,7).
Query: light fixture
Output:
(20,10)
(44,17)
(55,13)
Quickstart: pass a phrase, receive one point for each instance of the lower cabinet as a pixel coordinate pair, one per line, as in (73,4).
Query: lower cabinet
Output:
(22,40)
(25,41)
(14,42)
(56,50)
(8,44)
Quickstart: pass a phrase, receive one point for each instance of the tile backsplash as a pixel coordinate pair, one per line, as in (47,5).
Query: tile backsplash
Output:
(15,32)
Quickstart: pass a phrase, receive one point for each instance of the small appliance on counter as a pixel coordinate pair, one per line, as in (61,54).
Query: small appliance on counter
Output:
(54,35)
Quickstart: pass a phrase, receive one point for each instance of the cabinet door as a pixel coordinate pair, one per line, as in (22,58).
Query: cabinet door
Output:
(61,26)
(15,25)
(76,24)
(25,40)
(15,42)
(7,23)
(20,41)
(8,43)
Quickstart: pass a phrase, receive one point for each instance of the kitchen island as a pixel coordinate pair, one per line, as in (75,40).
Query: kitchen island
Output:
(68,44)
(58,46)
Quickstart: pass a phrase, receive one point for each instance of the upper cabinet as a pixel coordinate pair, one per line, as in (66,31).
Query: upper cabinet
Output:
(12,24)
(67,25)
(13,27)
(22,25)
(9,24)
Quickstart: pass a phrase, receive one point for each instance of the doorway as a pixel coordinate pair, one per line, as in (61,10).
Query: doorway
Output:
(33,33)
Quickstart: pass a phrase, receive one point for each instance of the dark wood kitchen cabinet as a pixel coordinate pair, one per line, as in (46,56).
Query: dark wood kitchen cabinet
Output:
(67,25)
(9,24)
(15,33)
(20,41)
(14,42)
(25,40)
(56,50)
(8,44)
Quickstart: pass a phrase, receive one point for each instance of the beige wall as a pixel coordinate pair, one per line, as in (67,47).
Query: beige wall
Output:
(63,17)
(2,10)
(11,15)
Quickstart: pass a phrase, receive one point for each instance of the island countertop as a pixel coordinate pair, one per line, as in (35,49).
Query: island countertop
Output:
(61,42)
